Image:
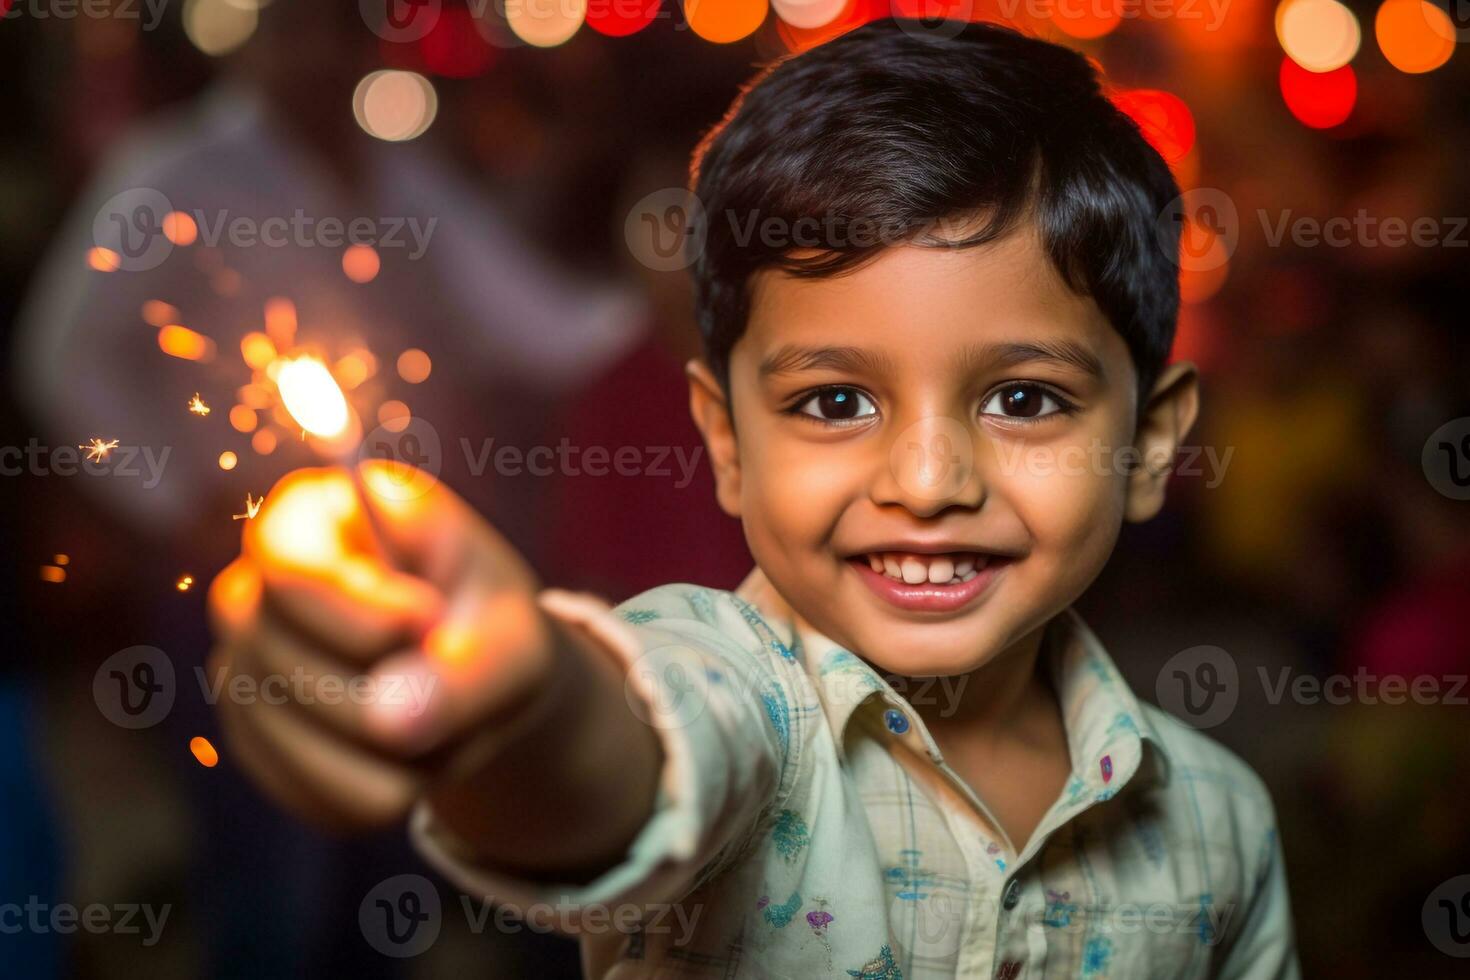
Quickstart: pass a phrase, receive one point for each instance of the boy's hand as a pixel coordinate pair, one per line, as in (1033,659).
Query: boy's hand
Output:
(397,665)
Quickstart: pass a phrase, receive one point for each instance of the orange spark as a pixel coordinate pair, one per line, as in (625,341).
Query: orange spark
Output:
(197,406)
(204,751)
(51,573)
(183,583)
(97,450)
(252,507)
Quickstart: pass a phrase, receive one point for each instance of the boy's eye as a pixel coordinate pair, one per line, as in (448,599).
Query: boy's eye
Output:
(838,405)
(1022,400)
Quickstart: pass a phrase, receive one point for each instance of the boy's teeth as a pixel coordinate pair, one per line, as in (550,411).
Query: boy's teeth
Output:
(931,569)
(941,570)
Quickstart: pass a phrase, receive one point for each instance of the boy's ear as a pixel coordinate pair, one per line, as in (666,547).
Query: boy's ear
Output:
(711,411)
(1166,420)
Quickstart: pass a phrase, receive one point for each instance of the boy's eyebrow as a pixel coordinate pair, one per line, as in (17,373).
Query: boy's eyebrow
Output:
(1019,352)
(792,358)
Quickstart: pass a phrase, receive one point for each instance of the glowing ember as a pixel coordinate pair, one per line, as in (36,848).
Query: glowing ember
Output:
(197,406)
(204,751)
(97,449)
(313,397)
(51,573)
(184,583)
(252,507)
(62,559)
(179,341)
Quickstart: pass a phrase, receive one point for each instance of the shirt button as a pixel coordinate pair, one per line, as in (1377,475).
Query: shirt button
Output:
(896,721)
(1012,896)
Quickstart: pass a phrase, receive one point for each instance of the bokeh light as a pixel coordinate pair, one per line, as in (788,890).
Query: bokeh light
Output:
(1163,118)
(620,18)
(1319,99)
(178,341)
(725,21)
(263,442)
(228,460)
(1414,35)
(243,419)
(545,23)
(414,366)
(394,415)
(808,14)
(1088,18)
(179,228)
(1319,35)
(257,350)
(361,263)
(159,314)
(395,105)
(103,259)
(218,27)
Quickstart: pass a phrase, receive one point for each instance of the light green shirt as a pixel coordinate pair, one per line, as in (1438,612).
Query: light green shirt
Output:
(803,828)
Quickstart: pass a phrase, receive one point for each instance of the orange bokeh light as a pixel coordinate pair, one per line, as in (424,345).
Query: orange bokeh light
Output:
(204,751)
(725,21)
(414,366)
(1414,35)
(257,350)
(103,259)
(243,419)
(179,228)
(179,341)
(361,263)
(228,460)
(157,313)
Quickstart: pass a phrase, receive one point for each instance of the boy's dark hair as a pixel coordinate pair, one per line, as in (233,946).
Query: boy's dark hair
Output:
(886,131)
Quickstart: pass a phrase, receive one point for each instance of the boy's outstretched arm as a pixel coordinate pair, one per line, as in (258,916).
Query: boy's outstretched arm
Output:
(418,665)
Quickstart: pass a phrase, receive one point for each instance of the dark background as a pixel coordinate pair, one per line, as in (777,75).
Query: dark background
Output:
(1323,548)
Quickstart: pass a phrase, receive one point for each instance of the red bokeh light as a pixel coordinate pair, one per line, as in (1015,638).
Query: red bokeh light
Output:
(619,18)
(1164,119)
(454,46)
(1319,99)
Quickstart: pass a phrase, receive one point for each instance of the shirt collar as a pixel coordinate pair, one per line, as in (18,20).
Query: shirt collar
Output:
(1109,737)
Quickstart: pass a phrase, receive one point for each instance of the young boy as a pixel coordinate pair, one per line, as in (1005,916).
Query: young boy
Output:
(934,386)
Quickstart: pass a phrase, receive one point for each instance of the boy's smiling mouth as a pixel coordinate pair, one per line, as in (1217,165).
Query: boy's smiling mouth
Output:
(929,581)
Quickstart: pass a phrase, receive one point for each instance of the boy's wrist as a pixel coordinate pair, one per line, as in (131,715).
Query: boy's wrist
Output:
(515,796)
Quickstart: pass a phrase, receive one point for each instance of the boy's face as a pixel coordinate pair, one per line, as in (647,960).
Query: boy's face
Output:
(925,451)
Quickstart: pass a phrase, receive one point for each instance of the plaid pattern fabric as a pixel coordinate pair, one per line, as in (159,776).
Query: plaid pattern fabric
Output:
(807,825)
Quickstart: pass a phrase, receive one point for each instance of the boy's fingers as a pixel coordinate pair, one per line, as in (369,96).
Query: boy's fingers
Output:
(359,610)
(345,701)
(430,530)
(313,770)
(484,661)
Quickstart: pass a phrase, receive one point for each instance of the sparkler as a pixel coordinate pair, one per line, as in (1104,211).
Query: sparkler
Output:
(97,449)
(315,400)
(197,406)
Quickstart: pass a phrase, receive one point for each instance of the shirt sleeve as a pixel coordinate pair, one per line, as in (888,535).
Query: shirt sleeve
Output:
(1265,946)
(717,696)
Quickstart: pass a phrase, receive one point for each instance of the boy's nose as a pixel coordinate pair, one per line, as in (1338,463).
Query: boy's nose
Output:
(930,467)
